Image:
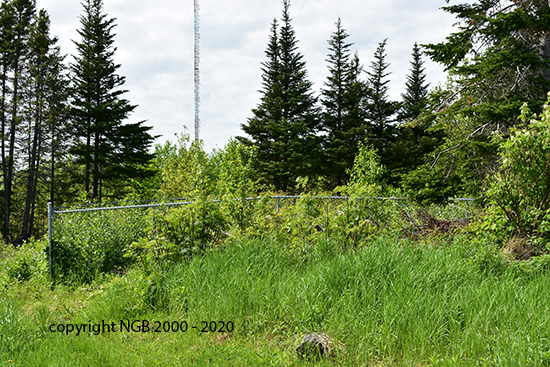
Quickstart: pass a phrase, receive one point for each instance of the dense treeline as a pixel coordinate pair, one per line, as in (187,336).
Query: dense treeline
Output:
(62,127)
(434,143)
(298,134)
(65,137)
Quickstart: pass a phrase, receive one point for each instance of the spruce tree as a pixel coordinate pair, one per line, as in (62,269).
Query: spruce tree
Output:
(415,98)
(40,43)
(7,23)
(16,28)
(99,110)
(285,123)
(379,109)
(498,58)
(58,128)
(415,138)
(44,100)
(342,117)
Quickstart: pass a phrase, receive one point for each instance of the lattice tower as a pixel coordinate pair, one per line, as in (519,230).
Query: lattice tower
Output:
(196,65)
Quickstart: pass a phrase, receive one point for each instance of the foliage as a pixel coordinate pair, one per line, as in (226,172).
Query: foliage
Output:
(87,244)
(17,17)
(416,137)
(520,189)
(25,262)
(426,185)
(366,174)
(235,182)
(347,222)
(450,166)
(185,170)
(109,151)
(498,59)
(216,187)
(415,98)
(32,105)
(285,123)
(177,234)
(380,111)
(342,118)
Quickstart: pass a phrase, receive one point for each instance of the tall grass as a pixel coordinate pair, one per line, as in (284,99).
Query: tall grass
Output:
(392,302)
(384,301)
(400,303)
(90,243)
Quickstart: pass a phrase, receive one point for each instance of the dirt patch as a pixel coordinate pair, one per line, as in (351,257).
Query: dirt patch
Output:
(428,225)
(518,248)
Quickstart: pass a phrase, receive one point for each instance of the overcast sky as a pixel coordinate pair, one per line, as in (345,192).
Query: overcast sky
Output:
(154,40)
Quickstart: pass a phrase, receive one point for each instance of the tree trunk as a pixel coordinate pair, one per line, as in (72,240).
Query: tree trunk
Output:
(95,178)
(8,177)
(32,179)
(3,137)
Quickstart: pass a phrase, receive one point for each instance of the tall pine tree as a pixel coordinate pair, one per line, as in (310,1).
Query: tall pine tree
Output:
(40,43)
(45,94)
(99,110)
(7,24)
(16,21)
(415,138)
(342,118)
(415,98)
(285,123)
(379,109)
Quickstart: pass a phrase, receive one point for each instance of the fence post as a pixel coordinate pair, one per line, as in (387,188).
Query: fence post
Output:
(50,238)
(278,204)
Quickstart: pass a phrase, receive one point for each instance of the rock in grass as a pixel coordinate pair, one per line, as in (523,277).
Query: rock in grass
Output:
(314,346)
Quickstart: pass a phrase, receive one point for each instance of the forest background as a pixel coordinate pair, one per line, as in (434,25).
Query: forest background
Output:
(65,139)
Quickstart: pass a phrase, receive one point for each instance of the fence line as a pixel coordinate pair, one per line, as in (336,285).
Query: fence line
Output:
(53,212)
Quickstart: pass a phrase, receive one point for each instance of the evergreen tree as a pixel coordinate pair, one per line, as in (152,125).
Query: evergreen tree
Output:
(415,138)
(16,29)
(58,128)
(498,59)
(380,111)
(285,124)
(415,98)
(99,109)
(45,97)
(39,44)
(7,24)
(342,117)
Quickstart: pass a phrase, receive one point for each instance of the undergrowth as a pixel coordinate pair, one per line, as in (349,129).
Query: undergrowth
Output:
(393,301)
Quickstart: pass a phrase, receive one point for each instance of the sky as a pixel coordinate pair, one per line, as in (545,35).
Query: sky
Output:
(155,42)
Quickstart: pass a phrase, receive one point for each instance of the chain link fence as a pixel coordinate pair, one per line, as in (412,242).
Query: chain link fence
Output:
(95,238)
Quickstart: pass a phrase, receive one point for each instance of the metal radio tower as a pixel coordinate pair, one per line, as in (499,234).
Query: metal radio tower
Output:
(197,75)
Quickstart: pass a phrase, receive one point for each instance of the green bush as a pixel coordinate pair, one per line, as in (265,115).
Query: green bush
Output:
(174,234)
(90,243)
(25,262)
(427,185)
(519,193)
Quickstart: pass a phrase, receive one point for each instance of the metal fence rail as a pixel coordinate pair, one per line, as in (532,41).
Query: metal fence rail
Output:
(83,224)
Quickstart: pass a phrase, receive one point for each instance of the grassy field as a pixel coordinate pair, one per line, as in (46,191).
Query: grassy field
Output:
(392,302)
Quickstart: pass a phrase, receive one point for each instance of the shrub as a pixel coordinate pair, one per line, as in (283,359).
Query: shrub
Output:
(520,190)
(176,233)
(88,243)
(26,262)
(429,185)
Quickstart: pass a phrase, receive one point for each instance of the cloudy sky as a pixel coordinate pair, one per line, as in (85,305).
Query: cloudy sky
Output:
(154,40)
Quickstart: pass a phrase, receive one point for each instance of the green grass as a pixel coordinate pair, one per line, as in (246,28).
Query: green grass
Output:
(392,302)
